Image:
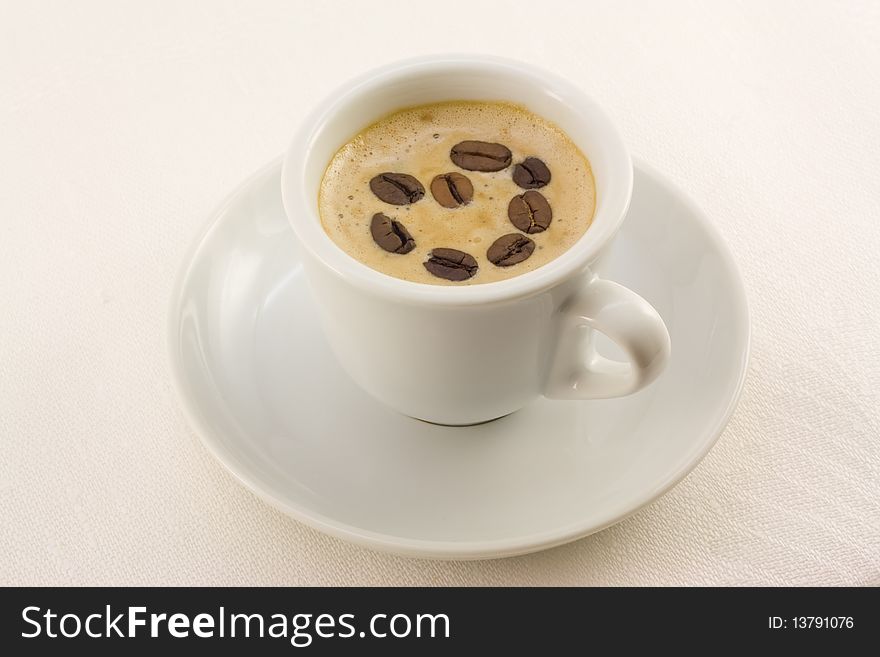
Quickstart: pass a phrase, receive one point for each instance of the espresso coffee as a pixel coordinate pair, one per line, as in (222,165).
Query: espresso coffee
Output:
(457,193)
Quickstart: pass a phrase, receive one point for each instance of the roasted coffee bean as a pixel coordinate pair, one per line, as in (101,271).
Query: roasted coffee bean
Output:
(531,173)
(452,189)
(530,212)
(391,235)
(480,156)
(451,264)
(397,188)
(510,249)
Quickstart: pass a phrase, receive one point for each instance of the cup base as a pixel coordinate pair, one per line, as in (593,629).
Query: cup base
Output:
(471,424)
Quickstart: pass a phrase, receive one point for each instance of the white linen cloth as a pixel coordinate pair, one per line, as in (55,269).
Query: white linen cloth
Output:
(122,124)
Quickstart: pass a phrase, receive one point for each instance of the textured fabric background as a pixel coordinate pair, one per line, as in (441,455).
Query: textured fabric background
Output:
(122,124)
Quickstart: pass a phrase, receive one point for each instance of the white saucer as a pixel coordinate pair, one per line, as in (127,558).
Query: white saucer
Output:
(254,375)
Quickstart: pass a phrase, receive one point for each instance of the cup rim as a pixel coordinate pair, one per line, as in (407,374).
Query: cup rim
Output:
(306,224)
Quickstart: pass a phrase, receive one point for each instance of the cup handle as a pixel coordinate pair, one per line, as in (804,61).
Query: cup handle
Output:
(629,321)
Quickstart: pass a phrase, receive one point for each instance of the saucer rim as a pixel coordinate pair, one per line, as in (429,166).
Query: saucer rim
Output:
(435,549)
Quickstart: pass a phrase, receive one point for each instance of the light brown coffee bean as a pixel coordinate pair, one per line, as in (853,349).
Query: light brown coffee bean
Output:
(452,189)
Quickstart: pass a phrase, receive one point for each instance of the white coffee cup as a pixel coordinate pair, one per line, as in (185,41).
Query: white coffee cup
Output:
(467,354)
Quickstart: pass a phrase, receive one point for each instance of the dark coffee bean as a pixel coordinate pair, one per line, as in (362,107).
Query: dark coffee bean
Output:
(510,249)
(531,173)
(452,189)
(480,156)
(391,235)
(397,188)
(530,212)
(451,264)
